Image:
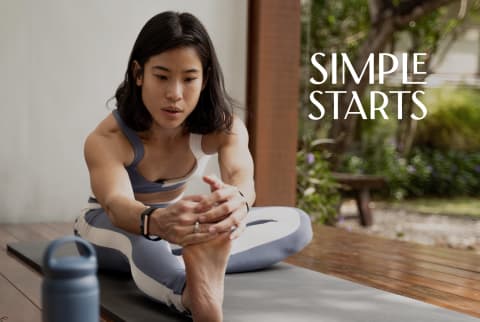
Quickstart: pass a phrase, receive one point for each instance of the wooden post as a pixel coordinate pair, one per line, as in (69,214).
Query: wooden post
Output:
(273,97)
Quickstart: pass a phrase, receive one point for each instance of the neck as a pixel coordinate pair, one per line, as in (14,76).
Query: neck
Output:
(159,134)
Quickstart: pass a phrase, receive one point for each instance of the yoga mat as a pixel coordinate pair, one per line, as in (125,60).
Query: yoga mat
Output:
(281,293)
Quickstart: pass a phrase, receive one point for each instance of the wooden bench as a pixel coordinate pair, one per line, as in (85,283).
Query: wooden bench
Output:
(360,185)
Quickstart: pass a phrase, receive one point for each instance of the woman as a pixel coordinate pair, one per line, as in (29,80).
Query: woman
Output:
(172,112)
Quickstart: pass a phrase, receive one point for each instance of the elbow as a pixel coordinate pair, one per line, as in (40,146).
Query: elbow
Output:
(254,196)
(107,206)
(110,215)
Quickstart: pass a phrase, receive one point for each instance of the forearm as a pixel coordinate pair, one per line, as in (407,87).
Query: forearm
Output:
(244,182)
(124,212)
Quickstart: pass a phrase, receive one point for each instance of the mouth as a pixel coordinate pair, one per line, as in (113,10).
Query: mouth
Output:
(172,110)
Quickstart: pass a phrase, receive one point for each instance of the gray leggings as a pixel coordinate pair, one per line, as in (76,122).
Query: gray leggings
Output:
(157,267)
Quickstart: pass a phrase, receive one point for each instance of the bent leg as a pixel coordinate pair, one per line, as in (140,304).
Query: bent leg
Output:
(156,271)
(271,235)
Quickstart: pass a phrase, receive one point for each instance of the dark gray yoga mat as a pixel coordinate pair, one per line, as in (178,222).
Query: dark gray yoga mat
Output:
(281,293)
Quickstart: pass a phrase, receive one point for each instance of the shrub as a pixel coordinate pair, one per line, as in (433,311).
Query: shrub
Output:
(445,160)
(426,172)
(317,192)
(439,173)
(452,122)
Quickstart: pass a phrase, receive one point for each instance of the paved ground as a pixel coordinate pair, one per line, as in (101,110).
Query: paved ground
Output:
(446,231)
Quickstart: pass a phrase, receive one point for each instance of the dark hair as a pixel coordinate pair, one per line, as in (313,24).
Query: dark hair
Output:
(169,30)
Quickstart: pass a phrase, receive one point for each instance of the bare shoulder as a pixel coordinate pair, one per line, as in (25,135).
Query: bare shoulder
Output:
(107,142)
(213,142)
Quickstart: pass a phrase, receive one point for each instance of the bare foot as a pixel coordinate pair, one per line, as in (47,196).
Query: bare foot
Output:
(205,267)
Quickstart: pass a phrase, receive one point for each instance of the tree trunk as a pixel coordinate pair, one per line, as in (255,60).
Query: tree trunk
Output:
(343,129)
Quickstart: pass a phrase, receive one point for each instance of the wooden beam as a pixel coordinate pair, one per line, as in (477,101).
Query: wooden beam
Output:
(272,97)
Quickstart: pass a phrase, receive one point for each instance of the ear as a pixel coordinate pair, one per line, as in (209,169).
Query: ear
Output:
(137,73)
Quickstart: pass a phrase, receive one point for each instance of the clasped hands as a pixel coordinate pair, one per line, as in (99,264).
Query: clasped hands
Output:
(200,218)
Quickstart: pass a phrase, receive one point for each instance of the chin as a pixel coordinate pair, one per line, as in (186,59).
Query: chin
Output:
(169,124)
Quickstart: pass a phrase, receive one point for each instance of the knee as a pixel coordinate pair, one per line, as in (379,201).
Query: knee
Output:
(303,235)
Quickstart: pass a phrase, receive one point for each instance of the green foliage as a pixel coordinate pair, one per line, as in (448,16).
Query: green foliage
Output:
(461,206)
(334,26)
(427,32)
(381,160)
(425,173)
(450,173)
(328,27)
(342,26)
(445,160)
(452,122)
(317,192)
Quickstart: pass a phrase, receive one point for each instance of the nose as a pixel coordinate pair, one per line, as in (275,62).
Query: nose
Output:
(174,92)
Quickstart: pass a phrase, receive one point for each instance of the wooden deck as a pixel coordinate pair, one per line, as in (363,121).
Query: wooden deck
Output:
(443,277)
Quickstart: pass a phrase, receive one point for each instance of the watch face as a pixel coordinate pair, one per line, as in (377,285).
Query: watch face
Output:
(144,222)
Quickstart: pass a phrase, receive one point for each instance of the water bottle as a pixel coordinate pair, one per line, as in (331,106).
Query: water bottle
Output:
(70,289)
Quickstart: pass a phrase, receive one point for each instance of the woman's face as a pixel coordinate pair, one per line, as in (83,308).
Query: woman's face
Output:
(171,84)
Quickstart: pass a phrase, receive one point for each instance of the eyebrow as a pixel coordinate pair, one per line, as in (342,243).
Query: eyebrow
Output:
(190,70)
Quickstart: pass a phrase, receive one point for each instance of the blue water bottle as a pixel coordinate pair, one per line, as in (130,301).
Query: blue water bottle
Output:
(70,289)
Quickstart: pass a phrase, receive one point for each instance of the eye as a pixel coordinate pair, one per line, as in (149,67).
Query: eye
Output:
(190,79)
(161,77)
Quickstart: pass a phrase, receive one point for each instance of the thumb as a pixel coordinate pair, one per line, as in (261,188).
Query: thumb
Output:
(214,182)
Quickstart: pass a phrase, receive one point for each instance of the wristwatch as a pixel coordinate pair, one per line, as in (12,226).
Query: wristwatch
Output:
(145,224)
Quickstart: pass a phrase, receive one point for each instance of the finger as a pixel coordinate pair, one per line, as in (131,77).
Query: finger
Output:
(238,231)
(235,219)
(221,211)
(181,207)
(186,219)
(194,198)
(218,196)
(198,199)
(190,229)
(214,182)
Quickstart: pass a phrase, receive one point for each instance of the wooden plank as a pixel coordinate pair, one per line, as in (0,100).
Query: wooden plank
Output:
(62,228)
(24,278)
(418,268)
(14,306)
(23,232)
(391,249)
(468,260)
(272,97)
(398,261)
(358,181)
(442,282)
(401,253)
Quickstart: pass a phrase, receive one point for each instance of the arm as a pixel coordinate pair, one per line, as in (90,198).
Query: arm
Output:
(226,206)
(236,163)
(106,155)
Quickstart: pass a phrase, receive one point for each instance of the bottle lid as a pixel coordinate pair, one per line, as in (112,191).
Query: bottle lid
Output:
(70,266)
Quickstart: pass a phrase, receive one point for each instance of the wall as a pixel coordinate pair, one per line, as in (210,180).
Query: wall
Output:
(60,62)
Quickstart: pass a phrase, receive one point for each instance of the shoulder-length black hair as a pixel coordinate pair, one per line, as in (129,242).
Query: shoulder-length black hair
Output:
(165,31)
